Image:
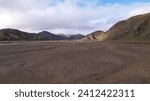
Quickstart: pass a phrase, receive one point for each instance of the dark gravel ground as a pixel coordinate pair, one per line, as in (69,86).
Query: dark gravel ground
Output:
(74,62)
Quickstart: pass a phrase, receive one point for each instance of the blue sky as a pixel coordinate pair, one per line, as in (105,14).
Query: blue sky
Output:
(123,1)
(83,3)
(68,16)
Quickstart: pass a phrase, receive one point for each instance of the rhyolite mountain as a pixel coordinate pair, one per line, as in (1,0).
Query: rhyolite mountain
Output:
(135,28)
(95,36)
(75,37)
(65,36)
(72,36)
(51,36)
(13,34)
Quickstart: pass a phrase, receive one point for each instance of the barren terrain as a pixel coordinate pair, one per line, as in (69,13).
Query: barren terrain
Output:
(74,62)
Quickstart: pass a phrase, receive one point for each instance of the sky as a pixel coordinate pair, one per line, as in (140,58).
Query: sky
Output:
(68,16)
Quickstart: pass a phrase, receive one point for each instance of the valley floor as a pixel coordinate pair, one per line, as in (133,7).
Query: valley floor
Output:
(74,62)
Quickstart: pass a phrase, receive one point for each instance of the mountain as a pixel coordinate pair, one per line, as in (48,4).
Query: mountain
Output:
(13,34)
(71,37)
(95,36)
(136,28)
(75,37)
(51,36)
(65,36)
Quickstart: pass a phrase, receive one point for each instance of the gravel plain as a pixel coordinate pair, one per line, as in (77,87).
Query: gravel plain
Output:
(74,62)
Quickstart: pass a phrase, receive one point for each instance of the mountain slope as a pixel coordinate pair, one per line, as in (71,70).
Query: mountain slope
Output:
(75,37)
(95,36)
(64,36)
(51,36)
(13,34)
(134,28)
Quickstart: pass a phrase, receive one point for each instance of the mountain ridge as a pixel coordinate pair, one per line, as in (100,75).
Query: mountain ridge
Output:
(50,36)
(15,34)
(134,28)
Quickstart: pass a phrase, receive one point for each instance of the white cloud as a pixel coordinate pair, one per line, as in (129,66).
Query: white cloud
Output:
(70,16)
